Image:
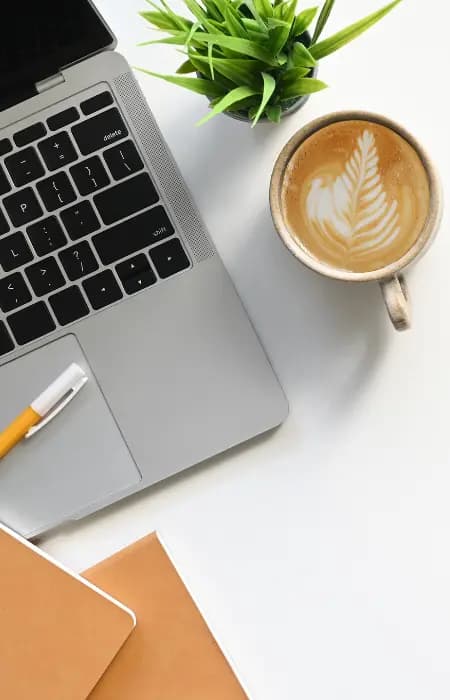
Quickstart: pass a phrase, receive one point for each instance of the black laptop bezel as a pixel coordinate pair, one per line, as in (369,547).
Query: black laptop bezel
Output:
(18,85)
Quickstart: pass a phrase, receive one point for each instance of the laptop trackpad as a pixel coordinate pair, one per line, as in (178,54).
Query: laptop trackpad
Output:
(78,460)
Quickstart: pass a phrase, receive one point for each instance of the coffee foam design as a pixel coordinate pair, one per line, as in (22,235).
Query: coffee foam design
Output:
(353,214)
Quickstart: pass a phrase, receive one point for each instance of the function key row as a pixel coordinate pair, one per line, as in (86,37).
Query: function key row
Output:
(96,103)
(5,147)
(88,107)
(37,131)
(30,134)
(62,119)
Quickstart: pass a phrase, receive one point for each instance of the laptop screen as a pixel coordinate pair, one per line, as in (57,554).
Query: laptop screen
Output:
(39,38)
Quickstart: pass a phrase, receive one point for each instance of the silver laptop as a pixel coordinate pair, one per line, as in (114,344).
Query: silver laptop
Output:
(104,261)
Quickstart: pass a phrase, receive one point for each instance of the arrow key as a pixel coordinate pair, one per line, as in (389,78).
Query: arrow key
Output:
(45,276)
(135,274)
(102,289)
(13,292)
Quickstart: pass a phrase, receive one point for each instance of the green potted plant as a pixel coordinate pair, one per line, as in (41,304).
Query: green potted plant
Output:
(252,59)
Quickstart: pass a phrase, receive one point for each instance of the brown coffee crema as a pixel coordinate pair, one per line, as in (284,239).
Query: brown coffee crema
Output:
(355,196)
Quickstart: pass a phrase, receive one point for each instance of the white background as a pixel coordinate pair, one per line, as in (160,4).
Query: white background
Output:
(320,555)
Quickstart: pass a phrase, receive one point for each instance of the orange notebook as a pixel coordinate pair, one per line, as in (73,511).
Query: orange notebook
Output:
(58,633)
(172,654)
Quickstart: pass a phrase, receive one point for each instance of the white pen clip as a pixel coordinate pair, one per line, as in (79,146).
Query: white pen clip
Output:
(57,396)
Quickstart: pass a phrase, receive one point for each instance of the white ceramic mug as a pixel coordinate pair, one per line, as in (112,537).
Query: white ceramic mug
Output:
(391,277)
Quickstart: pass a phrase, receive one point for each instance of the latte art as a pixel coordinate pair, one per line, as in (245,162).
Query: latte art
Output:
(356,196)
(353,214)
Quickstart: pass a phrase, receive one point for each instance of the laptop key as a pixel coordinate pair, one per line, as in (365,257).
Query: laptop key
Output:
(132,235)
(69,305)
(64,118)
(90,175)
(169,258)
(14,252)
(5,146)
(31,323)
(136,274)
(30,134)
(45,276)
(94,104)
(4,182)
(102,289)
(23,207)
(56,191)
(78,261)
(24,166)
(97,132)
(6,343)
(46,235)
(57,151)
(125,199)
(13,292)
(80,220)
(4,226)
(123,160)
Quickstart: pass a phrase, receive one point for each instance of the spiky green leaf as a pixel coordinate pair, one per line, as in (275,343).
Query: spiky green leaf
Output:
(252,25)
(210,60)
(195,27)
(186,67)
(233,23)
(293,74)
(269,85)
(199,85)
(301,56)
(279,35)
(244,47)
(202,67)
(337,41)
(199,14)
(159,19)
(212,10)
(273,113)
(302,86)
(323,19)
(303,21)
(241,71)
(264,8)
(233,98)
(179,39)
(255,14)
(182,22)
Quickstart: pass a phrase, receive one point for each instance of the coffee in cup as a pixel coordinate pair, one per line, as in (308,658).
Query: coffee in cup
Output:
(354,197)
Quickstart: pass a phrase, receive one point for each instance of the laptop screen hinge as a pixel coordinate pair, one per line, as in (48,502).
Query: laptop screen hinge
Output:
(50,83)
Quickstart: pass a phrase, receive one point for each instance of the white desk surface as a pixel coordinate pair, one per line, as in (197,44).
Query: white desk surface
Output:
(320,555)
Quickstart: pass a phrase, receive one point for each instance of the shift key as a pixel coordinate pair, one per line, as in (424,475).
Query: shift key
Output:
(130,236)
(102,130)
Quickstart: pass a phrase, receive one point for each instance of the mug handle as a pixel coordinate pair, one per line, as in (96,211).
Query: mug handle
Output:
(396,298)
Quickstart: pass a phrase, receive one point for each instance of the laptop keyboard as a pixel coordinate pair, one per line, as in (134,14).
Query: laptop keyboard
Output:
(81,223)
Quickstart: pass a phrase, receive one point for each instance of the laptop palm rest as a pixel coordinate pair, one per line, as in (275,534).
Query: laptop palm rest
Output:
(78,459)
